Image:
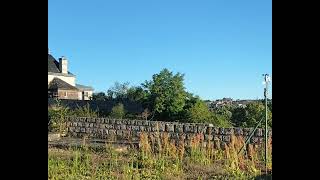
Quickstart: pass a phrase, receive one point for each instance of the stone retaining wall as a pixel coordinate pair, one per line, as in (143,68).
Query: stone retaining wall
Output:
(105,128)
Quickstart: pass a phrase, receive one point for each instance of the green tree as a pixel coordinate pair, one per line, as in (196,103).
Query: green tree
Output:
(220,120)
(118,111)
(255,112)
(166,94)
(238,118)
(250,115)
(270,105)
(199,113)
(137,94)
(118,91)
(225,111)
(101,96)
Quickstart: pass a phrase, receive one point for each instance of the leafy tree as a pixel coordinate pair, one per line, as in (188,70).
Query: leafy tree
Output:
(118,111)
(270,105)
(250,115)
(166,93)
(225,111)
(199,113)
(239,115)
(191,100)
(220,120)
(101,96)
(118,91)
(137,94)
(255,112)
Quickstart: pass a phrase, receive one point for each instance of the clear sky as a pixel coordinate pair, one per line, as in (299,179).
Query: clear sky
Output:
(222,46)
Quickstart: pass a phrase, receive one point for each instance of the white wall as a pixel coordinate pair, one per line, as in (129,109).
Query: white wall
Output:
(70,80)
(85,98)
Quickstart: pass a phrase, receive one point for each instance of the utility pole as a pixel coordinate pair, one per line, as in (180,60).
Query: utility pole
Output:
(266,81)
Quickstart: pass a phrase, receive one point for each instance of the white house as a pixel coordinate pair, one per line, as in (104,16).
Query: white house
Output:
(62,83)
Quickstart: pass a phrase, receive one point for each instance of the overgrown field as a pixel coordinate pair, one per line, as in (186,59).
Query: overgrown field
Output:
(159,159)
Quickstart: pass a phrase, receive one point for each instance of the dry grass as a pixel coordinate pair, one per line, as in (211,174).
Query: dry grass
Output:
(159,158)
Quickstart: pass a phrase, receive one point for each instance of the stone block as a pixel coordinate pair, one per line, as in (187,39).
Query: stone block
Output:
(145,123)
(221,131)
(119,132)
(110,126)
(226,138)
(238,132)
(247,131)
(135,128)
(123,126)
(102,125)
(258,132)
(112,121)
(112,132)
(201,129)
(98,120)
(216,131)
(228,131)
(139,123)
(106,120)
(118,121)
(87,130)
(169,127)
(178,128)
(209,130)
(254,140)
(148,129)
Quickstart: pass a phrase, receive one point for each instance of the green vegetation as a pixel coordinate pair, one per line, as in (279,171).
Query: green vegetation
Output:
(118,111)
(160,160)
(57,116)
(166,98)
(166,94)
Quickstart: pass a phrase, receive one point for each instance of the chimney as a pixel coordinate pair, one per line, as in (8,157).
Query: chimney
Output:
(63,65)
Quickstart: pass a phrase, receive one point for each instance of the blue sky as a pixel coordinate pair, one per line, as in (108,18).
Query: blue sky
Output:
(222,46)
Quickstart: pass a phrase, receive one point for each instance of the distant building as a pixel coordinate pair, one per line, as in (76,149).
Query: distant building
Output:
(228,101)
(62,83)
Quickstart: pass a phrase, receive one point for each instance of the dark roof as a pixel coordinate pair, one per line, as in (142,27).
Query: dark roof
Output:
(57,83)
(53,65)
(82,87)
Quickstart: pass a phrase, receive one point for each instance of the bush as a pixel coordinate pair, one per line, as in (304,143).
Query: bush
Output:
(198,113)
(85,111)
(56,117)
(118,111)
